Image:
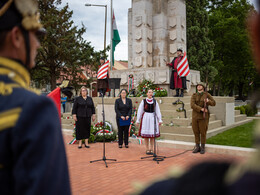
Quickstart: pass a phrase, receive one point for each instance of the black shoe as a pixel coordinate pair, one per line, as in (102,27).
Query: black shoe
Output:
(196,148)
(202,149)
(120,146)
(79,147)
(126,146)
(177,93)
(182,92)
(87,146)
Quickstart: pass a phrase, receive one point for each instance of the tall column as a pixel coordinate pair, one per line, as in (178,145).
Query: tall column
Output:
(130,39)
(176,26)
(160,33)
(142,12)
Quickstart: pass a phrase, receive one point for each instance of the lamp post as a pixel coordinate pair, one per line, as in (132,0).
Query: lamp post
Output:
(105,6)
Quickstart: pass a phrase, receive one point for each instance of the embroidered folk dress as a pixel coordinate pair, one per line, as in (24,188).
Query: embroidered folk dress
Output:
(145,114)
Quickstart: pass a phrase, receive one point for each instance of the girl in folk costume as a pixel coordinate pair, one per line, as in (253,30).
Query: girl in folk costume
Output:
(145,114)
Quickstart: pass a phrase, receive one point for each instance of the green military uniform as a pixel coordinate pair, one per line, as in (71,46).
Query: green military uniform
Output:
(199,123)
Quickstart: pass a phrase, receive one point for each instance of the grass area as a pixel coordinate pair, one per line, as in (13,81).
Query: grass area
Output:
(240,136)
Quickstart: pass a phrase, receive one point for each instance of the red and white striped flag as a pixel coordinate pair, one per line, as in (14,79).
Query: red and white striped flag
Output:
(102,71)
(183,67)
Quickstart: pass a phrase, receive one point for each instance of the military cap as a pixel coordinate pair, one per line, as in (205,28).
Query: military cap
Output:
(20,12)
(102,58)
(179,49)
(202,84)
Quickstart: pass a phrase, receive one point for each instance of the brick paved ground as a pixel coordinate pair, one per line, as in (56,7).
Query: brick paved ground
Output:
(94,178)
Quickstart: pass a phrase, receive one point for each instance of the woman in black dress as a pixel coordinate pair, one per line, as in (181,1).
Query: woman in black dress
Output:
(82,111)
(123,108)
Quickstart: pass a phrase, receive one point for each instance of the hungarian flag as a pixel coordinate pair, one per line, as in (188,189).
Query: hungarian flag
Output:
(183,69)
(55,96)
(102,71)
(116,38)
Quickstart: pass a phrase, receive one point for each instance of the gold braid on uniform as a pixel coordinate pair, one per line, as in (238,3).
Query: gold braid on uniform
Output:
(5,7)
(29,11)
(9,118)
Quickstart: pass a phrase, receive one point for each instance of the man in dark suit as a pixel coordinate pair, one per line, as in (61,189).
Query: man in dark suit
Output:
(32,153)
(177,82)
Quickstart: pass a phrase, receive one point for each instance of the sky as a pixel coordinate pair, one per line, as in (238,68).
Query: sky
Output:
(93,19)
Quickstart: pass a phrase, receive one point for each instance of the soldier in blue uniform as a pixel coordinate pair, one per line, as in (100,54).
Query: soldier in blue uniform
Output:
(32,153)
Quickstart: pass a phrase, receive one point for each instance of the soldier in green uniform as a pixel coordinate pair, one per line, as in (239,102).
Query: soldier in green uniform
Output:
(200,120)
(32,154)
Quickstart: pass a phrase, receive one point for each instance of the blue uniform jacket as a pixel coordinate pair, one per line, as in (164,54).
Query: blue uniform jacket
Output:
(32,153)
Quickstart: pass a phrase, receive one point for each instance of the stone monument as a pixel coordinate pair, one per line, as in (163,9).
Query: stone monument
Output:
(156,29)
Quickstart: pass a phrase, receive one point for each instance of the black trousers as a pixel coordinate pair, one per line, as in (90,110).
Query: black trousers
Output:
(122,134)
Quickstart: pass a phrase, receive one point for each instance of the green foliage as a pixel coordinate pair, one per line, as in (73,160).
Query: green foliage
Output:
(232,54)
(160,92)
(240,136)
(63,50)
(199,46)
(147,84)
(247,109)
(108,138)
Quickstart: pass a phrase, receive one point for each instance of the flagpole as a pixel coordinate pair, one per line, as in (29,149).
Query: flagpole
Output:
(111,39)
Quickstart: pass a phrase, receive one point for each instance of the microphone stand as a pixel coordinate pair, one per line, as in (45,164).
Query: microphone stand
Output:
(104,142)
(155,156)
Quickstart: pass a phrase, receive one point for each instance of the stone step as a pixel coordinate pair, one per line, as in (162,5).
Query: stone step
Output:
(182,121)
(173,99)
(66,114)
(176,121)
(177,137)
(237,112)
(67,126)
(188,130)
(170,106)
(240,117)
(175,114)
(67,121)
(210,133)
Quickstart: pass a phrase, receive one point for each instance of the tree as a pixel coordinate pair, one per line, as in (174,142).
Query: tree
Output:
(199,46)
(232,54)
(63,50)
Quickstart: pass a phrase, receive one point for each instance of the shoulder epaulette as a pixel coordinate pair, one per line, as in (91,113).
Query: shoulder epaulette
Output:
(9,118)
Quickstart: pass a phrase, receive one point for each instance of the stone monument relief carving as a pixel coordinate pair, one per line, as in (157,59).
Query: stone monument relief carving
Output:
(173,48)
(150,34)
(183,36)
(162,77)
(138,61)
(138,21)
(140,77)
(150,61)
(172,22)
(150,48)
(138,34)
(183,22)
(173,35)
(124,78)
(149,20)
(150,76)
(138,48)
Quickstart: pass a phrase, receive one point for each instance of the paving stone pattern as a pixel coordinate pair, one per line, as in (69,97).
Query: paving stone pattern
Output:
(119,178)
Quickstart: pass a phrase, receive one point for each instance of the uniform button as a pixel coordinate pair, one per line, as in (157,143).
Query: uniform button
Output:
(11,75)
